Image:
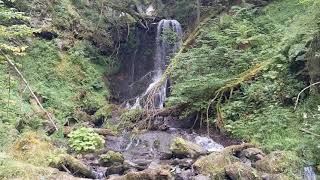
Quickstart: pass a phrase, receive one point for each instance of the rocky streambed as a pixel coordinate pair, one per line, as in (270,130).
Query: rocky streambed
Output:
(178,152)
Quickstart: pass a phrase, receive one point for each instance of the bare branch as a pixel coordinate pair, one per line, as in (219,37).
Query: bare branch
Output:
(30,89)
(297,101)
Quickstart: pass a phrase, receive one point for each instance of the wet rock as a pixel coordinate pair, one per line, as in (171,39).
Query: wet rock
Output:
(139,165)
(184,175)
(236,149)
(183,163)
(208,144)
(213,164)
(253,154)
(165,155)
(274,177)
(111,158)
(116,169)
(240,171)
(182,148)
(159,173)
(318,168)
(200,177)
(277,162)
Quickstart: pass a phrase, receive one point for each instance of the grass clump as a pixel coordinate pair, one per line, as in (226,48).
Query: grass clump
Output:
(33,148)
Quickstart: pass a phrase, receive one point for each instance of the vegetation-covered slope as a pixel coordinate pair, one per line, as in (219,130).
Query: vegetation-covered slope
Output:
(242,72)
(261,108)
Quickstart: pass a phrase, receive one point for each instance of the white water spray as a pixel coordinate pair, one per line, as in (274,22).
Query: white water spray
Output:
(164,50)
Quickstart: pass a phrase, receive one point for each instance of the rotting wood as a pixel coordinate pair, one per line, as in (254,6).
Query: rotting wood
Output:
(73,165)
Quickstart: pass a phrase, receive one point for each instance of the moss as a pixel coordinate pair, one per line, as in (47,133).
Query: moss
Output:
(132,115)
(33,148)
(179,146)
(104,112)
(13,169)
(239,171)
(280,162)
(182,148)
(111,158)
(214,164)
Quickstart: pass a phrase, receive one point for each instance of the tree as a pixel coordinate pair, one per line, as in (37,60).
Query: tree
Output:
(13,31)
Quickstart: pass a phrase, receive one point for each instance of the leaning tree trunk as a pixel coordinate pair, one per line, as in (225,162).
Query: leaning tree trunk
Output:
(313,64)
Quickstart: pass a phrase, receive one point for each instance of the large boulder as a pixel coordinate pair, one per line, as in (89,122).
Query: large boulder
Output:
(182,148)
(214,164)
(278,162)
(111,158)
(241,171)
(253,154)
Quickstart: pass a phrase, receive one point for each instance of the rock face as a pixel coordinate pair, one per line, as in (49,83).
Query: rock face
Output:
(241,171)
(181,148)
(111,158)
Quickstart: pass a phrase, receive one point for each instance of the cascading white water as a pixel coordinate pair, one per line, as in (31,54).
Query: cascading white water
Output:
(164,49)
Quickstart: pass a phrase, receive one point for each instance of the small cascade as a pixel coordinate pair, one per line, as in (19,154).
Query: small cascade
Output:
(309,174)
(168,42)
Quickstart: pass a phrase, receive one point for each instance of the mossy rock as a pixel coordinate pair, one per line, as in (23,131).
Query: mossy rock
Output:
(214,164)
(241,171)
(10,168)
(111,158)
(278,162)
(159,172)
(182,148)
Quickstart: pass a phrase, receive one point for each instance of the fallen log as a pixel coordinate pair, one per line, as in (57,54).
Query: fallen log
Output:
(68,163)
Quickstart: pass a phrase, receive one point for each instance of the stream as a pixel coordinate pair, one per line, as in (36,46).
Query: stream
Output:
(152,148)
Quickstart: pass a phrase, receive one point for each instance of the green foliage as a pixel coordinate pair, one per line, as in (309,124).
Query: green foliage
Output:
(111,158)
(132,115)
(169,36)
(260,110)
(7,135)
(85,140)
(13,27)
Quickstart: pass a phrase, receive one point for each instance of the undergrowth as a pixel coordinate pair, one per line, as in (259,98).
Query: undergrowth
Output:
(259,110)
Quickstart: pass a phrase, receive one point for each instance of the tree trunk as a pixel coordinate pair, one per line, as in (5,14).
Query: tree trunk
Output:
(313,64)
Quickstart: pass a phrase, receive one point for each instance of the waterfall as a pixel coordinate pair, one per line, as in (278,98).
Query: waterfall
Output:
(309,174)
(163,52)
(165,47)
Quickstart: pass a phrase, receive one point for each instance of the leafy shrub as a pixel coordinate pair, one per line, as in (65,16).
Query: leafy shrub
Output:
(85,140)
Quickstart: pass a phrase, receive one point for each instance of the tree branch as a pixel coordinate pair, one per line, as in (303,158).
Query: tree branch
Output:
(297,101)
(30,89)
